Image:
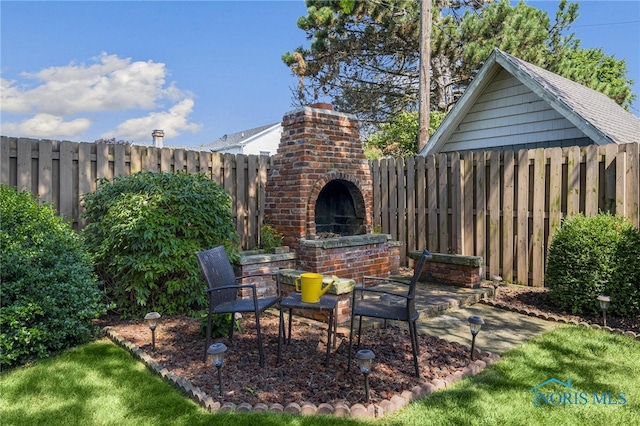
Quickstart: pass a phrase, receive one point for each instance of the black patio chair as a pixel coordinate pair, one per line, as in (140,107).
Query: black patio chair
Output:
(223,293)
(366,302)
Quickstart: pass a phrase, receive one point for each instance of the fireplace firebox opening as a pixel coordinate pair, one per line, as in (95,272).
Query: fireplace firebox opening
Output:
(339,209)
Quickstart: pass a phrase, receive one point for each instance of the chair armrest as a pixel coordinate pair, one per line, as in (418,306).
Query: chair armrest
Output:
(388,280)
(232,286)
(380,291)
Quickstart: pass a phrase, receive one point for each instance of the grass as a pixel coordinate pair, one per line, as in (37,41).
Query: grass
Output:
(101,384)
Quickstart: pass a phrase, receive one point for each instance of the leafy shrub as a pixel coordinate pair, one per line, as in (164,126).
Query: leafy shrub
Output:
(590,256)
(270,238)
(143,231)
(220,324)
(49,291)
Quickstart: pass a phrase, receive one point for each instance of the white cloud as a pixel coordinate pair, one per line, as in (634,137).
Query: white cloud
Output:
(57,98)
(46,126)
(111,84)
(172,122)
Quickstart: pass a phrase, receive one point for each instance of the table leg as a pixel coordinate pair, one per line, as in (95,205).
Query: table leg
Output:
(280,331)
(289,341)
(329,326)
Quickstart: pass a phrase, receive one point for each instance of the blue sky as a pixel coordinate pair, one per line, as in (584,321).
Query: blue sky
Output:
(198,70)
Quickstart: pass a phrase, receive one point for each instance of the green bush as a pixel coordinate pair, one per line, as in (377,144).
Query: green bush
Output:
(49,291)
(143,231)
(590,256)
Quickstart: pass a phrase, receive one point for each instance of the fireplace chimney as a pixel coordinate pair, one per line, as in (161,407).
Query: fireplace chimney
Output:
(158,136)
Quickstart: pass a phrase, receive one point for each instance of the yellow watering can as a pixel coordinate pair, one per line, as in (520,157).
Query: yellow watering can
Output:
(310,285)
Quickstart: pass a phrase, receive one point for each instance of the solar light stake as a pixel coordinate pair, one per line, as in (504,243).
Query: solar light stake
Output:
(152,320)
(475,323)
(365,359)
(216,354)
(497,280)
(604,305)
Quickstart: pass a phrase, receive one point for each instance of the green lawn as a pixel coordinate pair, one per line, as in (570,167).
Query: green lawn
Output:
(101,384)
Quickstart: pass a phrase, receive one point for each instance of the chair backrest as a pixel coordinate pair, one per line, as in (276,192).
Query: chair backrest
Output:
(414,280)
(217,270)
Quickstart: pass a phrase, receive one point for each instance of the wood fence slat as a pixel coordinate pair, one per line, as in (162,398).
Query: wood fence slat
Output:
(178,160)
(421,203)
(609,153)
(151,159)
(633,184)
(480,196)
(555,193)
(443,204)
(216,168)
(240,184)
(102,161)
(376,215)
(253,185)
(522,227)
(5,159)
(119,160)
(45,171)
(573,180)
(24,165)
(401,192)
(410,167)
(393,199)
(86,182)
(204,163)
(537,234)
(67,201)
(192,162)
(467,203)
(508,199)
(135,155)
(591,185)
(263,173)
(494,187)
(457,210)
(166,157)
(432,204)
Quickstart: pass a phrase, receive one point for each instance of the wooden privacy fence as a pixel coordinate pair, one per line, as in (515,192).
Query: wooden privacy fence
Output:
(504,206)
(474,203)
(60,172)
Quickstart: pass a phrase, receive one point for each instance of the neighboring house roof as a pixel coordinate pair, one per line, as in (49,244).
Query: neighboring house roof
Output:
(593,114)
(239,139)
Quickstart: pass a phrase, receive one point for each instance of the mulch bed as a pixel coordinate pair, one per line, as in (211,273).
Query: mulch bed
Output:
(302,376)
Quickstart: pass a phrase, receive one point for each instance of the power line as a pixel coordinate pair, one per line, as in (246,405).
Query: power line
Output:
(602,25)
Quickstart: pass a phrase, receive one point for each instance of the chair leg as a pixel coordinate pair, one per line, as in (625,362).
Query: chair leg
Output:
(207,339)
(414,345)
(350,343)
(359,330)
(259,340)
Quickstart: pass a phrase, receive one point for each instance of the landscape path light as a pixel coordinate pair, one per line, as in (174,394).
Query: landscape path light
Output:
(365,360)
(475,324)
(152,319)
(604,305)
(497,280)
(216,354)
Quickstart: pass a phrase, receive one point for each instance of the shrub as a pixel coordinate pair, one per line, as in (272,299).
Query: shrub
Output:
(270,238)
(595,255)
(143,231)
(49,291)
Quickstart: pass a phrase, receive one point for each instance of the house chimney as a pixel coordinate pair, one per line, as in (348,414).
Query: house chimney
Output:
(157,135)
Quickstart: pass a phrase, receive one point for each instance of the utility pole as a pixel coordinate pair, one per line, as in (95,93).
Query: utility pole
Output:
(425,79)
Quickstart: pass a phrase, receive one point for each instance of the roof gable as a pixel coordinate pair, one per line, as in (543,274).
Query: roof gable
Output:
(592,113)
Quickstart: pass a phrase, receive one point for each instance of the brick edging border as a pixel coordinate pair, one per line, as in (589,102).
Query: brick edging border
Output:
(386,406)
(556,318)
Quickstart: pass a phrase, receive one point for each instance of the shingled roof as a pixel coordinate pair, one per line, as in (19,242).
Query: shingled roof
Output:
(595,114)
(237,139)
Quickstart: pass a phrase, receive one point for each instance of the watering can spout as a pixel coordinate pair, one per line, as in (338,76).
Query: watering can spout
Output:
(310,285)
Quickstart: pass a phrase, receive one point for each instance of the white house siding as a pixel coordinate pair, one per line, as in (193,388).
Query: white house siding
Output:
(508,115)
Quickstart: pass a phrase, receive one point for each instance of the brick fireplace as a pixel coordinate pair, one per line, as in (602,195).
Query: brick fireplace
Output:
(319,195)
